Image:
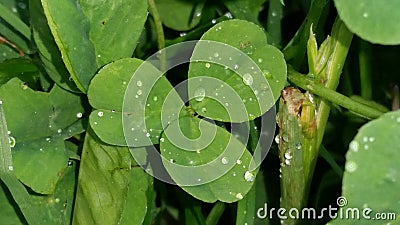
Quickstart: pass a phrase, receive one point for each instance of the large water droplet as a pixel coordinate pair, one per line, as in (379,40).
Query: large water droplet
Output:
(208,65)
(12,141)
(139,83)
(100,114)
(354,146)
(267,74)
(249,177)
(224,160)
(79,115)
(288,155)
(247,79)
(199,94)
(239,196)
(351,166)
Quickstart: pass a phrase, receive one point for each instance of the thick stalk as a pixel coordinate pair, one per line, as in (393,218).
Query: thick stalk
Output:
(341,38)
(332,96)
(160,33)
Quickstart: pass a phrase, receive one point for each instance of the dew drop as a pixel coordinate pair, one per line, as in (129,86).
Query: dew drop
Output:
(139,83)
(12,141)
(139,92)
(147,134)
(22,5)
(239,196)
(224,160)
(287,162)
(277,138)
(155,98)
(79,115)
(182,34)
(199,94)
(247,79)
(354,146)
(203,110)
(371,139)
(288,155)
(351,166)
(235,67)
(214,21)
(238,161)
(234,174)
(267,74)
(249,177)
(208,65)
(260,60)
(59,131)
(10,168)
(298,146)
(100,114)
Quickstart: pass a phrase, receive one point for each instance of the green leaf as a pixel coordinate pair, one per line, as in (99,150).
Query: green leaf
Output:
(9,213)
(245,9)
(49,53)
(374,21)
(180,15)
(70,29)
(39,122)
(110,188)
(141,117)
(14,21)
(371,177)
(37,209)
(206,161)
(240,68)
(115,27)
(22,68)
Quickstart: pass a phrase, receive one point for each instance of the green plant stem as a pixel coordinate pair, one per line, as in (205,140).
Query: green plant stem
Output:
(333,96)
(296,49)
(215,214)
(274,22)
(341,38)
(365,69)
(12,19)
(160,32)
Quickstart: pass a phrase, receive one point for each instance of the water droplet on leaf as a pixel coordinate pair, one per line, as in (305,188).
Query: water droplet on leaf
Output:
(199,94)
(249,177)
(247,79)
